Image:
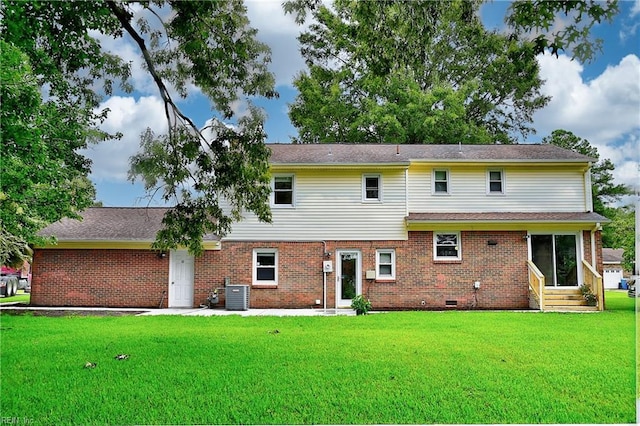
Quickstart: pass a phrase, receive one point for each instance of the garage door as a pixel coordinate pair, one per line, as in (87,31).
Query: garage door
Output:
(611,278)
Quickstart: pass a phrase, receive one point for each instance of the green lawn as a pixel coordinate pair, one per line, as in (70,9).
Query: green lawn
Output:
(20,297)
(405,367)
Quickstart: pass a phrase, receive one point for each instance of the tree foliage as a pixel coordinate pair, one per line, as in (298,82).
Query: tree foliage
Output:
(620,233)
(542,19)
(43,178)
(411,72)
(209,45)
(604,190)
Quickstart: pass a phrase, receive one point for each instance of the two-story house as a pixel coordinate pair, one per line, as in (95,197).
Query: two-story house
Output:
(408,226)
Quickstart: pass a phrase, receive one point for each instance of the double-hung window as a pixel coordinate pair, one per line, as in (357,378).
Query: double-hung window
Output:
(265,267)
(446,246)
(283,191)
(495,182)
(386,264)
(441,182)
(372,188)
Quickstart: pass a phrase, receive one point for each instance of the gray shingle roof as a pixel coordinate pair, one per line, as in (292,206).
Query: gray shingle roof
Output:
(610,255)
(111,224)
(389,154)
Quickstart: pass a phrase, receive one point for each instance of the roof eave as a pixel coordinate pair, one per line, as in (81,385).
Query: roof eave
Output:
(504,224)
(116,244)
(402,164)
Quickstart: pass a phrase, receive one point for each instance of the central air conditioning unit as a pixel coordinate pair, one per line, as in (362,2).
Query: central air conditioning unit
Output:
(236,297)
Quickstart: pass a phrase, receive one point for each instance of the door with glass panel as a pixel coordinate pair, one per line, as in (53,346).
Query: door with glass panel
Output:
(556,256)
(348,278)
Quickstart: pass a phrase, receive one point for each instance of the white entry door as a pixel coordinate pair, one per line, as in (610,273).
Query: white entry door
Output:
(181,279)
(348,277)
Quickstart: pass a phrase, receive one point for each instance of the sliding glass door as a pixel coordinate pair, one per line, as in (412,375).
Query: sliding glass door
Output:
(556,255)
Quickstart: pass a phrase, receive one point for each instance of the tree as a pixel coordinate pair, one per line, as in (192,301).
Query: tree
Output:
(538,17)
(43,178)
(411,72)
(603,189)
(206,44)
(620,233)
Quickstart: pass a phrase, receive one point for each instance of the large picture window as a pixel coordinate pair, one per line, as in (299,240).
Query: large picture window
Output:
(265,267)
(446,245)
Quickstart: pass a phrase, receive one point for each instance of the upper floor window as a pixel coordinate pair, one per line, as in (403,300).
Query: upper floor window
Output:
(265,267)
(441,181)
(371,188)
(282,194)
(385,264)
(495,182)
(446,245)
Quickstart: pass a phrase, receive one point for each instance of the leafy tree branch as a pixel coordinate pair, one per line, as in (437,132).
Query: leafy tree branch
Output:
(210,181)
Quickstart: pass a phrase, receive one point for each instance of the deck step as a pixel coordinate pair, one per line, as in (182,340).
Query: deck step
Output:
(563,297)
(566,300)
(577,308)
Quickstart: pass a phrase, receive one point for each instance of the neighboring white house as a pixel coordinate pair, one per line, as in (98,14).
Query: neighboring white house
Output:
(613,271)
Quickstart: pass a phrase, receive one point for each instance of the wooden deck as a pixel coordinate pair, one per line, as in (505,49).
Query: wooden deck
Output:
(567,299)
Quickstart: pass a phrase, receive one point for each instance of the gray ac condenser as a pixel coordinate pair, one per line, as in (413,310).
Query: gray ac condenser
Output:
(236,297)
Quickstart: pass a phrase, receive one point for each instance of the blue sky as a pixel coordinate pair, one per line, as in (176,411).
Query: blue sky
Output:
(599,101)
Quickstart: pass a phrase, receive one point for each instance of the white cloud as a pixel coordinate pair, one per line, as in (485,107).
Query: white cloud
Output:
(605,110)
(280,33)
(629,23)
(131,118)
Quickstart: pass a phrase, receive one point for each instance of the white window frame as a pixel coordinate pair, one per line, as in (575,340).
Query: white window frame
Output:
(293,190)
(379,263)
(366,199)
(458,245)
(255,280)
(434,191)
(489,181)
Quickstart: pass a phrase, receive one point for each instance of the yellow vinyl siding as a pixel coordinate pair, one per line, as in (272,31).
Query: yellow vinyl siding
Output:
(526,188)
(328,205)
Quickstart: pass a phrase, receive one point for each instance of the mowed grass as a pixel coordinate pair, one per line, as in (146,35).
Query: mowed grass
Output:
(405,367)
(20,297)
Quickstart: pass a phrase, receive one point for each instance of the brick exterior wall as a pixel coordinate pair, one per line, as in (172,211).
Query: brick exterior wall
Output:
(586,236)
(105,278)
(500,268)
(138,278)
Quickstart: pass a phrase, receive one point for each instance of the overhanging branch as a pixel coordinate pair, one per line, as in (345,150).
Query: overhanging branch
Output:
(172,112)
